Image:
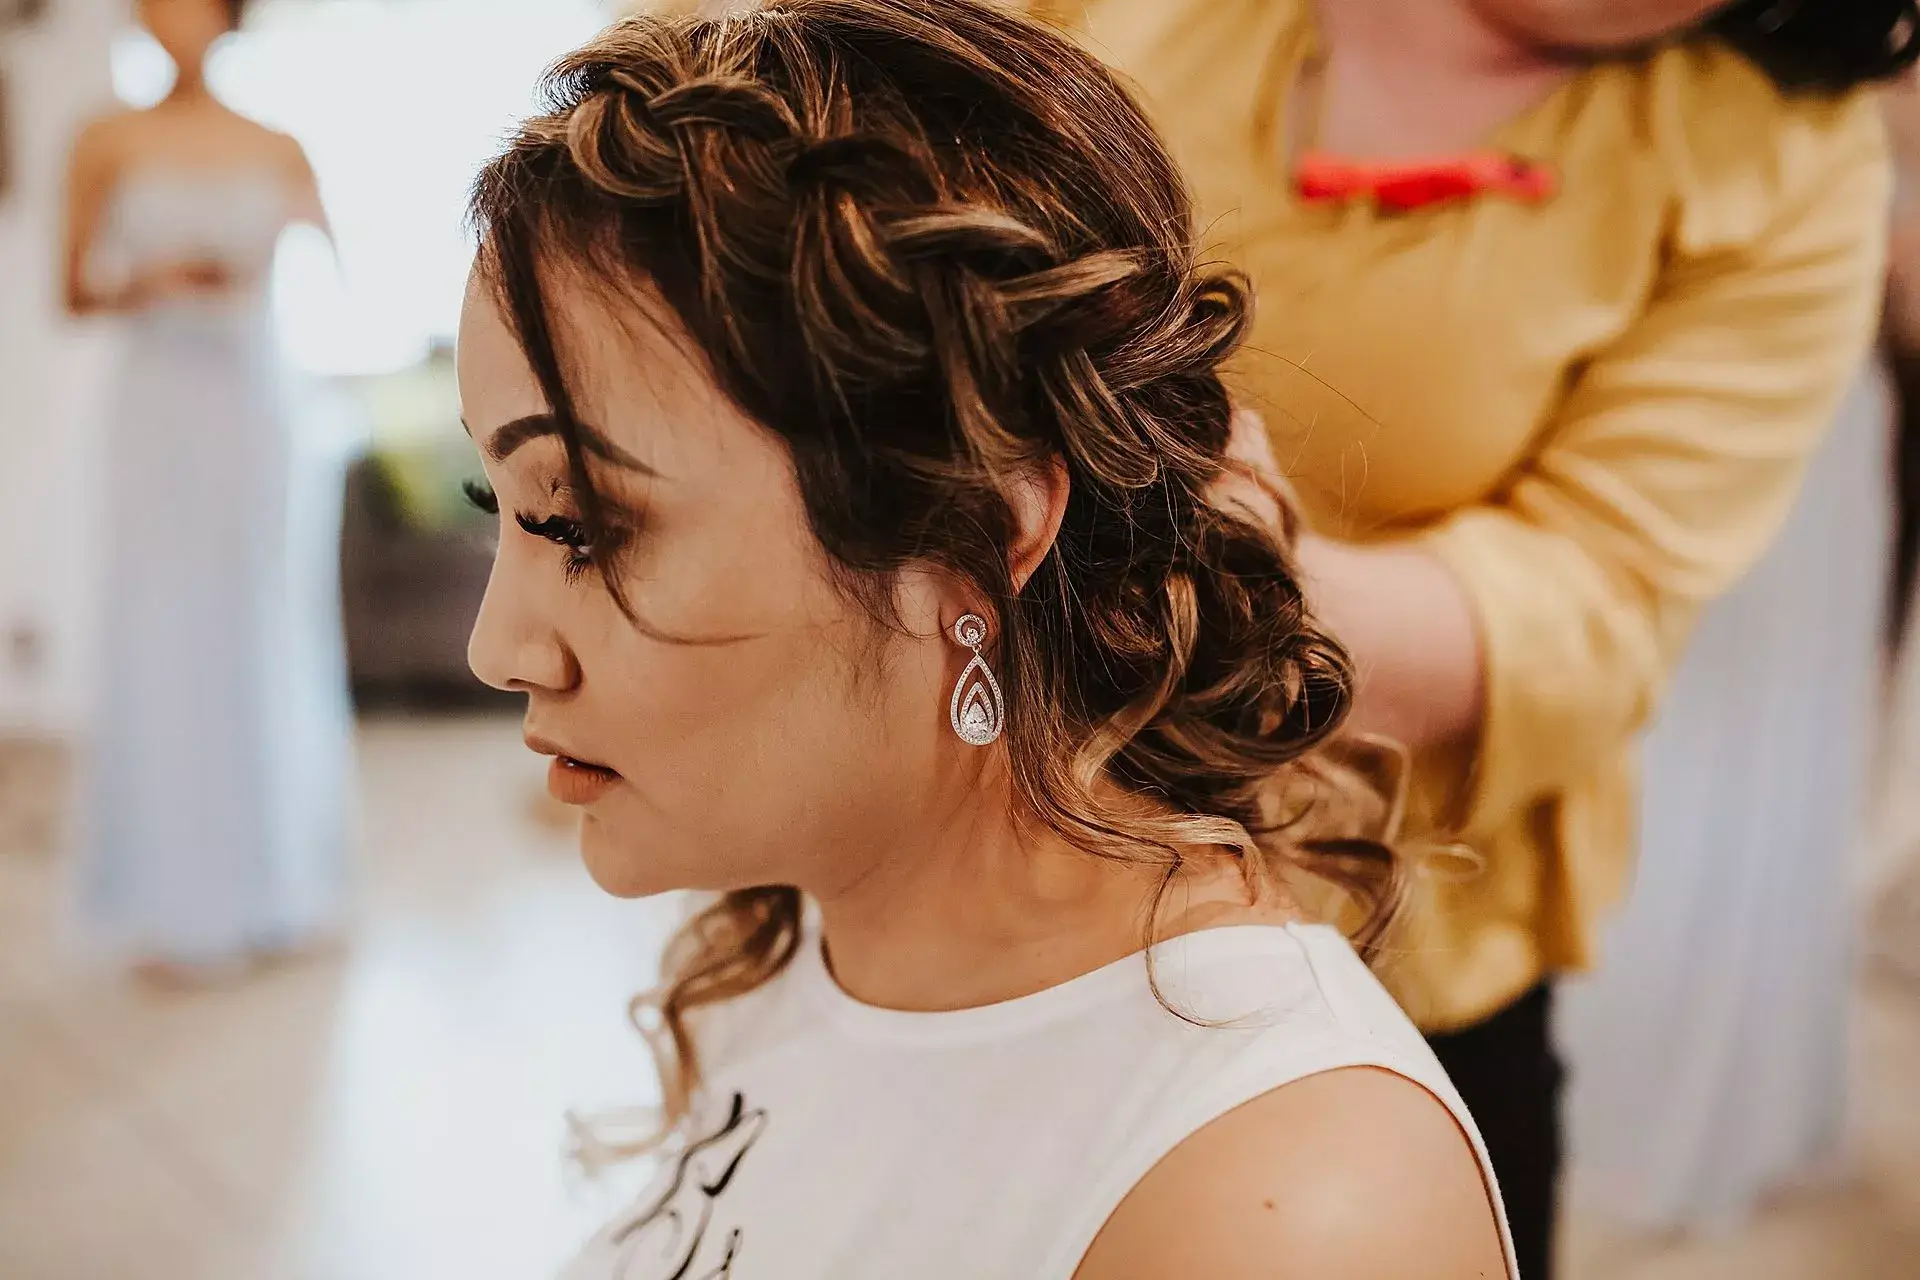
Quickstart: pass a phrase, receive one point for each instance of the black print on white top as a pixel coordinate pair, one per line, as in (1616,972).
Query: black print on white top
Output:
(667,1238)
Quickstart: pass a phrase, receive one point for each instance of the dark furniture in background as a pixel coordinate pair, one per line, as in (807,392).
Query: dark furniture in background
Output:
(408,596)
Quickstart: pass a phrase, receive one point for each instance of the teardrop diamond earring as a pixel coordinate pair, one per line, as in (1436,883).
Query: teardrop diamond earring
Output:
(976,711)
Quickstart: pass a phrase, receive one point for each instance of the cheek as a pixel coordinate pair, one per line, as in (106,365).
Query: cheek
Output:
(761,762)
(706,717)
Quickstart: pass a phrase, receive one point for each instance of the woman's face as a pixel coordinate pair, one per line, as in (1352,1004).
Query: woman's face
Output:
(1594,25)
(186,29)
(756,726)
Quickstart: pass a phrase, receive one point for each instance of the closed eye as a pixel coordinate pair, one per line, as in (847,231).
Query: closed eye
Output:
(562,531)
(558,530)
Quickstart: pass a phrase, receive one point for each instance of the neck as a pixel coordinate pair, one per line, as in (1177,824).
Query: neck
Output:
(1422,79)
(987,908)
(190,84)
(1433,33)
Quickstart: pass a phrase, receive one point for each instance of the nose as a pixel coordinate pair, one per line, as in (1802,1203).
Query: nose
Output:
(514,646)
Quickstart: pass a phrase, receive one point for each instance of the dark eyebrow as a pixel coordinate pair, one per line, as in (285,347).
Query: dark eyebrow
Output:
(508,438)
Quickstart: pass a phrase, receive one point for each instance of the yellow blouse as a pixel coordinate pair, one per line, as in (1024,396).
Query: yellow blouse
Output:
(1594,410)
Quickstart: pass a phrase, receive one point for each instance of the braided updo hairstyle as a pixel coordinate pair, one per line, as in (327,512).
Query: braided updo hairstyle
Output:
(931,246)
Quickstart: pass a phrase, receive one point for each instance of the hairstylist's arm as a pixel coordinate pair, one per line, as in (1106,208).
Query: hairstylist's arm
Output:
(1550,614)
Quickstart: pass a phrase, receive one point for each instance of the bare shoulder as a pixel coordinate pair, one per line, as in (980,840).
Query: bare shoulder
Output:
(290,155)
(248,141)
(1357,1172)
(108,136)
(264,140)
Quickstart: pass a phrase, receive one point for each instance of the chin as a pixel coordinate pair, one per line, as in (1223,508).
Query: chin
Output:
(618,863)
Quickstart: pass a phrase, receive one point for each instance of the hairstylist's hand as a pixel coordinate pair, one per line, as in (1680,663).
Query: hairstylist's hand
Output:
(1397,609)
(1253,484)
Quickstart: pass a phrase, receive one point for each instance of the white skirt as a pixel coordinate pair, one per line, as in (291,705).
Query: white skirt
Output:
(215,821)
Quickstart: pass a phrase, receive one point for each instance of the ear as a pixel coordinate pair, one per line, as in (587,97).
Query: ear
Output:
(1039,501)
(930,601)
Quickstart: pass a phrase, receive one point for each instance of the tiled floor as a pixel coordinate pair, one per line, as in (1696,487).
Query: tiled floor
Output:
(392,1111)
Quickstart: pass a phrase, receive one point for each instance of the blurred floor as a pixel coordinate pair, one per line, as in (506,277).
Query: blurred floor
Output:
(390,1111)
(394,1110)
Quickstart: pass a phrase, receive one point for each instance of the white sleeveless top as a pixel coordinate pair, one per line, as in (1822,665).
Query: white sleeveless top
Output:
(837,1141)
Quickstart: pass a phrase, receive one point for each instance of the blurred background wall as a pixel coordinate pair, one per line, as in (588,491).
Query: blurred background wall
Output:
(56,73)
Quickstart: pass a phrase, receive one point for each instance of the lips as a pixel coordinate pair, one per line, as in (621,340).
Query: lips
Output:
(571,780)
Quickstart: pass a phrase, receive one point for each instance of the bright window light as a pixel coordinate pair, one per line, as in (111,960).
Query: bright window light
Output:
(398,103)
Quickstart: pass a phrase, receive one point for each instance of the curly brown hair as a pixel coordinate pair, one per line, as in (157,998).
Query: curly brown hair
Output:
(931,246)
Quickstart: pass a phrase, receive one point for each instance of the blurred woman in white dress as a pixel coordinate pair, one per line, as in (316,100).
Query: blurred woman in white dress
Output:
(216,814)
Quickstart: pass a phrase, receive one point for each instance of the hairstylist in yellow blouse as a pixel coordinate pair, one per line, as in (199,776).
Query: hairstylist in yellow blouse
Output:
(1531,435)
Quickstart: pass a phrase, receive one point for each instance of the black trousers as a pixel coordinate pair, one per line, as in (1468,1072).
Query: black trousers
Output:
(1506,1070)
(1906,480)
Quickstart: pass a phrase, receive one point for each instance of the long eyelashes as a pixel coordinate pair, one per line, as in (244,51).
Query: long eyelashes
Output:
(562,531)
(480,495)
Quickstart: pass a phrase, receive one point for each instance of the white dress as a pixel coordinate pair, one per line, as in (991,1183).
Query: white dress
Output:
(216,821)
(838,1141)
(1709,1052)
